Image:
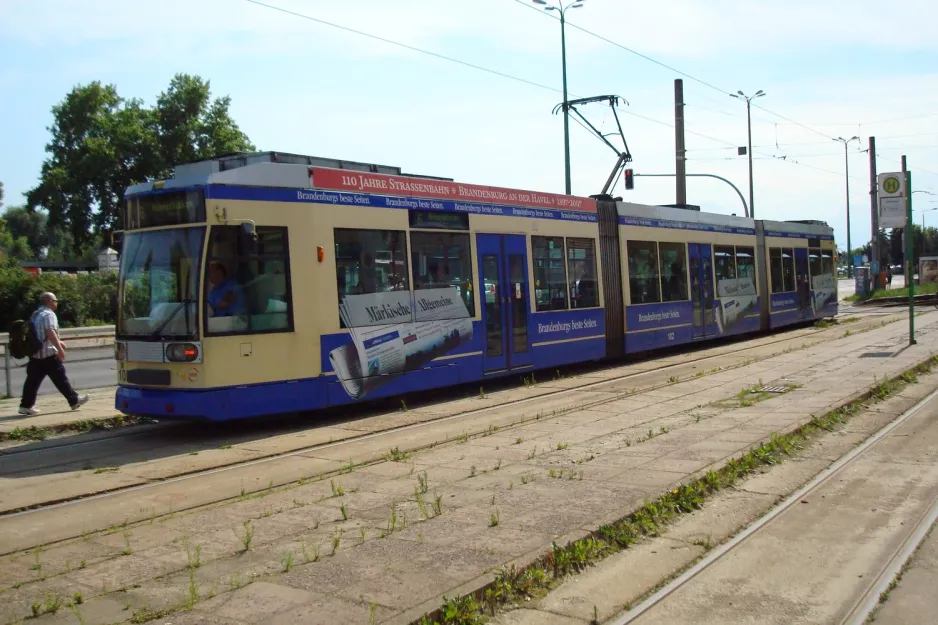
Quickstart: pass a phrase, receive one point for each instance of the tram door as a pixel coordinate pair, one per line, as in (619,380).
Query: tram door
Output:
(701,288)
(802,282)
(503,267)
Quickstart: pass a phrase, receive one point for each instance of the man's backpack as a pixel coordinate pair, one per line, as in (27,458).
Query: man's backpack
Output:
(23,340)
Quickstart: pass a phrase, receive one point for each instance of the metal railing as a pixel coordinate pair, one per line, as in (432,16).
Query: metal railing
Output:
(97,333)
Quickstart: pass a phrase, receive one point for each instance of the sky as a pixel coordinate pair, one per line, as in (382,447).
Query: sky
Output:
(837,68)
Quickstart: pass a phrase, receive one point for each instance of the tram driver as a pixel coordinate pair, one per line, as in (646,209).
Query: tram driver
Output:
(225,298)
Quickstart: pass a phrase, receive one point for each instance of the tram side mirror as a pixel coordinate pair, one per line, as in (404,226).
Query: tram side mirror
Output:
(248,236)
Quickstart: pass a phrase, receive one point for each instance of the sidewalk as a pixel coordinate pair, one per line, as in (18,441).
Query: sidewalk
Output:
(56,414)
(389,540)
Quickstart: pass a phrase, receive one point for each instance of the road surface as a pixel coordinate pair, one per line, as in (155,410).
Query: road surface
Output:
(89,368)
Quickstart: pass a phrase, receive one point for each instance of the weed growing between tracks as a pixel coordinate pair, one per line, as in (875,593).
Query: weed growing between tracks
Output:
(35,433)
(512,585)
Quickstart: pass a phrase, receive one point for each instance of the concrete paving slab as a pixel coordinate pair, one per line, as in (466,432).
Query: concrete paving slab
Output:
(255,602)
(617,584)
(559,506)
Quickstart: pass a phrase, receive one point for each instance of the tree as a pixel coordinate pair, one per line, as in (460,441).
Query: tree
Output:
(32,226)
(1,195)
(16,248)
(102,143)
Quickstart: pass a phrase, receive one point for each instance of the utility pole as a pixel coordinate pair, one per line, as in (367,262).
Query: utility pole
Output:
(874,212)
(908,249)
(739,95)
(847,179)
(566,112)
(680,154)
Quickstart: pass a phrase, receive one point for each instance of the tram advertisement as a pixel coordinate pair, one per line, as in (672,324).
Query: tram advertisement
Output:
(825,291)
(739,298)
(423,326)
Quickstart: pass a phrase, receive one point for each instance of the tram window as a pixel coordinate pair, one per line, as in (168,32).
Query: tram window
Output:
(441,260)
(827,262)
(673,272)
(775,265)
(581,266)
(724,263)
(788,268)
(248,282)
(817,264)
(746,270)
(371,262)
(643,272)
(550,276)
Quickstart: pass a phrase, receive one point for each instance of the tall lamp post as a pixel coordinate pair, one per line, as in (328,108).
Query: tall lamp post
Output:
(739,95)
(847,178)
(561,8)
(927,210)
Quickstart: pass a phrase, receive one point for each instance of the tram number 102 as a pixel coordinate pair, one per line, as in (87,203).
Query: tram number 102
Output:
(670,336)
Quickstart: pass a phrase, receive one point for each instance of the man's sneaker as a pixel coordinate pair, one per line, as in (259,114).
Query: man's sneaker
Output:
(82,400)
(29,412)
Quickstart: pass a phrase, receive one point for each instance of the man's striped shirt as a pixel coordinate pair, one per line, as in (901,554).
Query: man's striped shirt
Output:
(44,319)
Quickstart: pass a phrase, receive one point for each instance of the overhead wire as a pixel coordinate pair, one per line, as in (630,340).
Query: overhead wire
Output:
(403,45)
(554,89)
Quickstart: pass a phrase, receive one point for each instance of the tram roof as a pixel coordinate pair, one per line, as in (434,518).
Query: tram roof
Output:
(263,169)
(671,214)
(807,228)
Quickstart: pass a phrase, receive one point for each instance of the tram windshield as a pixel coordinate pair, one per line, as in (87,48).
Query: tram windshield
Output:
(159,284)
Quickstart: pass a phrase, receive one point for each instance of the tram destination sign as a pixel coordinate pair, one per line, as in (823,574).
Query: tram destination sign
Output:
(364,182)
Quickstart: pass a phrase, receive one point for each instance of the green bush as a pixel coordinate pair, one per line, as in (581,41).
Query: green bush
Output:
(83,300)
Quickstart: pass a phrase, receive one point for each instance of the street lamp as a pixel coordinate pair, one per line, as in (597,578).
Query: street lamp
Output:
(739,95)
(847,178)
(927,210)
(561,8)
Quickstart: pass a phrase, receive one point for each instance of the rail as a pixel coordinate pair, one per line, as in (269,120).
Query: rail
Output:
(104,334)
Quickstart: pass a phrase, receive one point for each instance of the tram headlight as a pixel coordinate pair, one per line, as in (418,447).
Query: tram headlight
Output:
(181,352)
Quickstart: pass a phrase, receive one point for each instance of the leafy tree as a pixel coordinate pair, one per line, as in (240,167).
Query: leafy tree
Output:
(16,248)
(32,226)
(102,143)
(1,195)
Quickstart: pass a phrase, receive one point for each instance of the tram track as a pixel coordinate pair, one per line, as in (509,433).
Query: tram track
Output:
(20,457)
(861,607)
(136,431)
(737,357)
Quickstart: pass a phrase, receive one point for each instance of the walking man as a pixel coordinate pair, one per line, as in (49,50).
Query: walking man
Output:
(48,360)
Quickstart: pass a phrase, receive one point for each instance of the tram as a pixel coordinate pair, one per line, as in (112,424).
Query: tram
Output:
(269,283)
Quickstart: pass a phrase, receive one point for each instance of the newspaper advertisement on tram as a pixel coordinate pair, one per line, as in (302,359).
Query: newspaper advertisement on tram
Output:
(739,298)
(429,323)
(825,291)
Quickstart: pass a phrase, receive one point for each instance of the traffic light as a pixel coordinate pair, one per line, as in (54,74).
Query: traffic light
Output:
(629,180)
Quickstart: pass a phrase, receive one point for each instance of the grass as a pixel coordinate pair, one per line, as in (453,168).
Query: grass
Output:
(34,433)
(126,551)
(31,433)
(337,490)
(512,586)
(344,510)
(193,554)
(920,289)
(311,553)
(494,518)
(246,536)
(396,455)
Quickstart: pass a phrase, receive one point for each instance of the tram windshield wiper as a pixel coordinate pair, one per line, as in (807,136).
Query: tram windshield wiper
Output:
(183,304)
